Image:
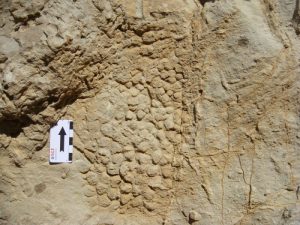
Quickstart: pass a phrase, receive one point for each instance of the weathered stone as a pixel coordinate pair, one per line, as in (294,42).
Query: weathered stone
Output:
(103,159)
(103,152)
(92,178)
(115,148)
(137,202)
(124,169)
(153,170)
(125,188)
(148,194)
(115,205)
(136,191)
(82,166)
(140,114)
(89,191)
(130,178)
(167,171)
(156,156)
(129,155)
(113,194)
(143,147)
(130,115)
(149,205)
(156,183)
(90,156)
(117,159)
(104,201)
(125,199)
(101,188)
(123,78)
(3,58)
(115,181)
(188,108)
(8,46)
(143,159)
(113,169)
(169,124)
(194,216)
(134,91)
(39,188)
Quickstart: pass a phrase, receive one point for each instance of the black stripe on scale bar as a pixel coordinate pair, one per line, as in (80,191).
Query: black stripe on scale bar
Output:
(70,140)
(70,156)
(71,125)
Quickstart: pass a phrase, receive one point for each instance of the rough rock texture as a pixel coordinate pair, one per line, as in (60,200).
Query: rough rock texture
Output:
(185,111)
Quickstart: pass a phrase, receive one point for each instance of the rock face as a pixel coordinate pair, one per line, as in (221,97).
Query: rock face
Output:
(185,111)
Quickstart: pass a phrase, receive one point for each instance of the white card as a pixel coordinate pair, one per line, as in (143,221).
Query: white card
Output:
(61,142)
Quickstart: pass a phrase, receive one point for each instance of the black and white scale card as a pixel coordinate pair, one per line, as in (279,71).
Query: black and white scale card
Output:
(61,142)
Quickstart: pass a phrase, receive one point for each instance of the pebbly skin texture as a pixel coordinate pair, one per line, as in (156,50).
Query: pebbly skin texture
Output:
(185,112)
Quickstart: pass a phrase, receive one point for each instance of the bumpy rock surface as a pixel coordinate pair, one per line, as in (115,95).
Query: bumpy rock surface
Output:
(185,111)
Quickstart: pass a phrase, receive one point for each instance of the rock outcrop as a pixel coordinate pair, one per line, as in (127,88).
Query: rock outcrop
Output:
(185,111)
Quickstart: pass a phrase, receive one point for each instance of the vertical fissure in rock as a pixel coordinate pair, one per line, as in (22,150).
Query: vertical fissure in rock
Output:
(296,17)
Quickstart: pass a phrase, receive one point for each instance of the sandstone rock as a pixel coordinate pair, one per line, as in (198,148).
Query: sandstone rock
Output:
(101,188)
(115,205)
(130,115)
(90,156)
(143,147)
(8,46)
(153,170)
(185,112)
(3,58)
(130,178)
(113,169)
(156,156)
(149,206)
(167,171)
(129,155)
(113,194)
(136,191)
(125,199)
(169,124)
(140,114)
(156,183)
(143,159)
(104,201)
(194,216)
(83,166)
(89,191)
(115,181)
(117,159)
(137,202)
(92,178)
(125,188)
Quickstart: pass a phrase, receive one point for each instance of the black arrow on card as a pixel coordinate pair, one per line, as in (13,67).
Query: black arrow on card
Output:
(62,134)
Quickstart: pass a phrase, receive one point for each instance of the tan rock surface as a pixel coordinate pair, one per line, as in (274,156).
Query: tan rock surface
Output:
(185,111)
